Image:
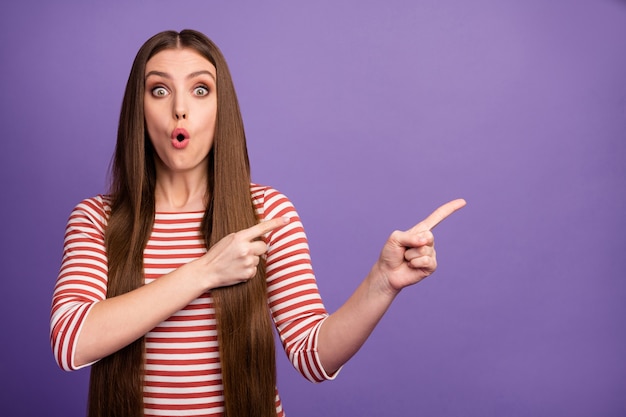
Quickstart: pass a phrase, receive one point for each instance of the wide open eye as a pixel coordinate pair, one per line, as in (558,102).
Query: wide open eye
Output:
(159,92)
(201,90)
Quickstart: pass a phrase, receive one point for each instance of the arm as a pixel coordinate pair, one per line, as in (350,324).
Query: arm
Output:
(407,258)
(293,296)
(85,326)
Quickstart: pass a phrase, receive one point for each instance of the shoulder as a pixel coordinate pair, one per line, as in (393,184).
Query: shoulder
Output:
(269,202)
(99,205)
(94,210)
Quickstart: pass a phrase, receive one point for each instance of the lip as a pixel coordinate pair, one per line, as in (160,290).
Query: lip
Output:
(180,138)
(179,131)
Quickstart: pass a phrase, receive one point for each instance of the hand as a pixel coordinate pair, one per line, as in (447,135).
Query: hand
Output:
(409,257)
(234,259)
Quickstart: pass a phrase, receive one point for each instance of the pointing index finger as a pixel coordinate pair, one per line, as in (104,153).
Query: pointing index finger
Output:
(264,227)
(439,215)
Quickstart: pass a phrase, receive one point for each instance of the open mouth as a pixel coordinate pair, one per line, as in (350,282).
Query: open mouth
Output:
(180,138)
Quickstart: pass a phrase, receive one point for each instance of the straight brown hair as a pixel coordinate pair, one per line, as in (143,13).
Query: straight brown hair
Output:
(245,335)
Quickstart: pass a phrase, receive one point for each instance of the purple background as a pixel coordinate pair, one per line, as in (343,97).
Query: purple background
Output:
(368,115)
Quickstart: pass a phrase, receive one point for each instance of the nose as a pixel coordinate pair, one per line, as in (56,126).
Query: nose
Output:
(180,108)
(180,114)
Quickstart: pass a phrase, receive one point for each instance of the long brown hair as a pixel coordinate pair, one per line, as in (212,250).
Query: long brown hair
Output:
(245,334)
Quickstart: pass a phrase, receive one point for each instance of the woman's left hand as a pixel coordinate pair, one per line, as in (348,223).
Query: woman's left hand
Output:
(409,256)
(406,259)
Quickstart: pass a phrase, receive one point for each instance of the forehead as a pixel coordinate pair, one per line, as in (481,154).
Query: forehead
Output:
(179,60)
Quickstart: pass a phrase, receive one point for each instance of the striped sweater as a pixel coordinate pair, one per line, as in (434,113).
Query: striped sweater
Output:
(183,374)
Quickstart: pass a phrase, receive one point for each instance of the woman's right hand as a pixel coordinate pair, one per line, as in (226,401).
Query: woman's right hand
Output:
(117,321)
(234,259)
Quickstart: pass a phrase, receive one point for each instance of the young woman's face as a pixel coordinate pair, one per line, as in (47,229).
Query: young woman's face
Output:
(180,106)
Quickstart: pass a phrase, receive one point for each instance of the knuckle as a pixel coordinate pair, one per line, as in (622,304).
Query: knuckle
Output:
(395,235)
(426,236)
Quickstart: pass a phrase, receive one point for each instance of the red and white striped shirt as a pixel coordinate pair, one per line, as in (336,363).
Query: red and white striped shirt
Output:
(183,373)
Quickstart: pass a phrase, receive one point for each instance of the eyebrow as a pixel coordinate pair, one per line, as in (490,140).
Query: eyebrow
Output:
(192,75)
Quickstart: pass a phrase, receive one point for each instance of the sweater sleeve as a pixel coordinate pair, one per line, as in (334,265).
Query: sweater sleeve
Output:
(82,278)
(293,295)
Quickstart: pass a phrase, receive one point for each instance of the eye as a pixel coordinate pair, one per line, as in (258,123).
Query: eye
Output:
(159,92)
(201,90)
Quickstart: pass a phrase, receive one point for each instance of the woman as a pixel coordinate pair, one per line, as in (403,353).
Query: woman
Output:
(165,283)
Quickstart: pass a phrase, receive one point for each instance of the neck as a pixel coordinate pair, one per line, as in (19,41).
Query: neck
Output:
(176,192)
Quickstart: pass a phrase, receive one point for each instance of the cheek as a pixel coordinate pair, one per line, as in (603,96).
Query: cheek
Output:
(152,119)
(210,116)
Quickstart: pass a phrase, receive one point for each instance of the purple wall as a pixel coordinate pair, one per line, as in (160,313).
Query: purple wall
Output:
(368,116)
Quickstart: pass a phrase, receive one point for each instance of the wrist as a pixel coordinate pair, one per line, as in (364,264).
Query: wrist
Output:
(199,274)
(379,281)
